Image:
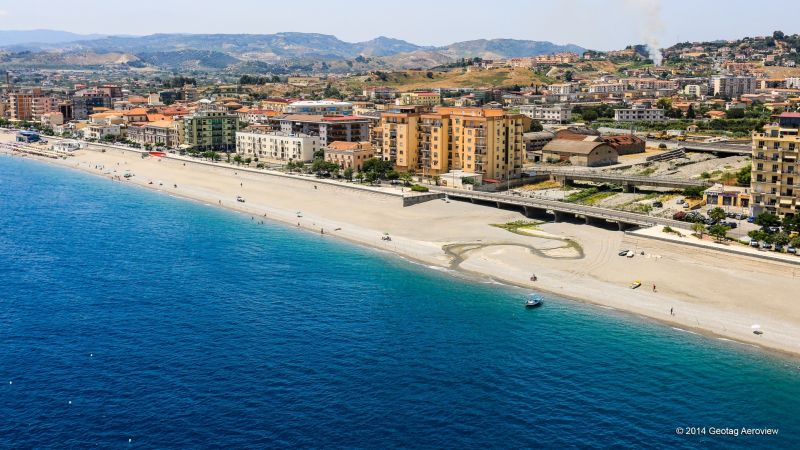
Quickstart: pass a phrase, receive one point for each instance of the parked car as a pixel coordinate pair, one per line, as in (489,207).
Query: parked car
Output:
(658,205)
(730,215)
(680,215)
(739,216)
(623,252)
(766,246)
(730,224)
(751,219)
(754,243)
(791,249)
(778,248)
(774,229)
(679,201)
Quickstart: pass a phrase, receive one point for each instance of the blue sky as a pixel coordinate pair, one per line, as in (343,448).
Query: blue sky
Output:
(594,24)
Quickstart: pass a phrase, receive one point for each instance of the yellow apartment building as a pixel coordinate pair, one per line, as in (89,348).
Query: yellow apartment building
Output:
(775,181)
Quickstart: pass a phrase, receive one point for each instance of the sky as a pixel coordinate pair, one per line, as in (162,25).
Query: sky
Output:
(595,24)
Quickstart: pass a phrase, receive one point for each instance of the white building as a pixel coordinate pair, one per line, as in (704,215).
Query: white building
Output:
(321,107)
(638,112)
(277,146)
(607,88)
(98,131)
(733,87)
(547,114)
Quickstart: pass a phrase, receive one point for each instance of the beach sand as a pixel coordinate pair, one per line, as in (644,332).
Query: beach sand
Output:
(709,292)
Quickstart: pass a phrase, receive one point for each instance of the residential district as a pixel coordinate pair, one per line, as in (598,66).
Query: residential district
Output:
(705,133)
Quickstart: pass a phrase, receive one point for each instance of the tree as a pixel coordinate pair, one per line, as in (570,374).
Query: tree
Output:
(690,114)
(698,228)
(790,223)
(796,242)
(360,177)
(693,191)
(568,75)
(348,173)
(319,154)
(536,126)
(377,165)
(238,159)
(781,239)
(406,177)
(766,220)
(717,214)
(743,176)
(370,177)
(589,116)
(756,235)
(734,113)
(429,75)
(664,103)
(719,231)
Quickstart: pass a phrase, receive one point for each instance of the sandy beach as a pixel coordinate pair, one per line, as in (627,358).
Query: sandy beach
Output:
(709,292)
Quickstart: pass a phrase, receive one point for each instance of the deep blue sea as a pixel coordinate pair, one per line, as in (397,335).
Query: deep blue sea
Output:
(131,319)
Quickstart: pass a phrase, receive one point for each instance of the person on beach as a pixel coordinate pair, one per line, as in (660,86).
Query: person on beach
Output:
(670,312)
(533,277)
(654,288)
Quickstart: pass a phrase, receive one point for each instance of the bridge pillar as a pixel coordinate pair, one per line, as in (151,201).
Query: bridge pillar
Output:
(624,226)
(498,204)
(527,211)
(626,187)
(558,216)
(472,200)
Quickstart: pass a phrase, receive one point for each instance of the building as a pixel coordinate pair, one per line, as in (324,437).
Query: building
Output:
(98,131)
(695,90)
(160,133)
(27,136)
(320,107)
(52,119)
(379,93)
(20,104)
(472,140)
(328,128)
(624,144)
(639,112)
(579,153)
(732,86)
(775,177)
(728,197)
(349,154)
(210,130)
(419,98)
(276,146)
(534,143)
(547,114)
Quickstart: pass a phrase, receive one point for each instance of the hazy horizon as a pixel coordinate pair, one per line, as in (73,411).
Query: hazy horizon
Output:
(588,23)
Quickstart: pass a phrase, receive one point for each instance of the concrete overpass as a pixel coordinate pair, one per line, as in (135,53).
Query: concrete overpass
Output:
(559,210)
(718,148)
(627,181)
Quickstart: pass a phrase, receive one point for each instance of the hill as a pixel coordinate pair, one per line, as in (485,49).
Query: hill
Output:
(282,48)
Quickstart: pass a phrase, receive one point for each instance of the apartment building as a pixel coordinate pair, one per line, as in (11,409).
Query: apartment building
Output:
(328,128)
(547,114)
(276,146)
(775,179)
(472,140)
(29,104)
(210,130)
(639,112)
(732,86)
(419,98)
(320,107)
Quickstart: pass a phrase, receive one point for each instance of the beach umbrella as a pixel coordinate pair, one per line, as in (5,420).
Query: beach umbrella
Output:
(756,327)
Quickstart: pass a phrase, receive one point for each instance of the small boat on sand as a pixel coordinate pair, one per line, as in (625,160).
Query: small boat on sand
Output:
(635,284)
(534,301)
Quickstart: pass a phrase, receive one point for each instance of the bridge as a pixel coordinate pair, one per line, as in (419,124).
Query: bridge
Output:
(559,210)
(627,181)
(719,148)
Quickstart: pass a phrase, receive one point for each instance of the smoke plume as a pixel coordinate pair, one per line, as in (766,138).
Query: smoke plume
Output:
(647,14)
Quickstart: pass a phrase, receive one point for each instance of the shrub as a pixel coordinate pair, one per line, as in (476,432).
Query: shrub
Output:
(418,188)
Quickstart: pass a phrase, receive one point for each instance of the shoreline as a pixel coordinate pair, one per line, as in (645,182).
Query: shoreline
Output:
(485,260)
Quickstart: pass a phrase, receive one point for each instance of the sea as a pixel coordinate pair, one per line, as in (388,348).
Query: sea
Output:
(133,319)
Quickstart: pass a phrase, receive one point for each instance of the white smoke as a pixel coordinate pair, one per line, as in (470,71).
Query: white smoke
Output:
(647,14)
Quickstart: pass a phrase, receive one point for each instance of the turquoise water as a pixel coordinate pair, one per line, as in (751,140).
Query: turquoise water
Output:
(127,314)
